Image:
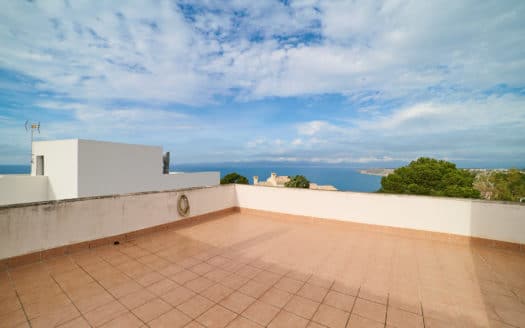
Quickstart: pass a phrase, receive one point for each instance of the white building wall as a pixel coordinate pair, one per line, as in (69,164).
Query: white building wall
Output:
(491,220)
(22,189)
(106,168)
(60,166)
(82,168)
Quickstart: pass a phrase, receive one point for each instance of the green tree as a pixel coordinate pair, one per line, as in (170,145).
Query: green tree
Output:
(508,185)
(234,177)
(428,176)
(298,181)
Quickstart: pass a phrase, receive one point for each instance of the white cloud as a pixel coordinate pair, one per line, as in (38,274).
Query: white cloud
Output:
(417,76)
(146,51)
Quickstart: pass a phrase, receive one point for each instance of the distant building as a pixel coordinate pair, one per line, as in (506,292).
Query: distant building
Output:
(278,181)
(62,169)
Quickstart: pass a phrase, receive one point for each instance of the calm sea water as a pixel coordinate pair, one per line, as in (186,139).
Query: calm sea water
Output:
(341,178)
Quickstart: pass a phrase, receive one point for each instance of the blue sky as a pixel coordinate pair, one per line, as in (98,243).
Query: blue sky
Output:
(367,83)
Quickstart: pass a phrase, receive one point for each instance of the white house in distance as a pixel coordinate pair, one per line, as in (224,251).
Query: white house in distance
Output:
(75,168)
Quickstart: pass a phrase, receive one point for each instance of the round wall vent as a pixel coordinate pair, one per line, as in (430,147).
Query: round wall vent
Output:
(183,205)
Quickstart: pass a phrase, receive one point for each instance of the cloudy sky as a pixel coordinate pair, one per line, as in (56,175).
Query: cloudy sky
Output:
(366,83)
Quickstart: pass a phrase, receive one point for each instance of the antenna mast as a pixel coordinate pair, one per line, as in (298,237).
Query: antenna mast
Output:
(33,127)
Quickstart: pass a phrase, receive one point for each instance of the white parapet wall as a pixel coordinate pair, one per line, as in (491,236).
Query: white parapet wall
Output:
(23,189)
(28,228)
(466,217)
(34,227)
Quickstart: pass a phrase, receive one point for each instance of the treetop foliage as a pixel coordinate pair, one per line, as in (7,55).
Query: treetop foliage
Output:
(297,181)
(234,177)
(428,176)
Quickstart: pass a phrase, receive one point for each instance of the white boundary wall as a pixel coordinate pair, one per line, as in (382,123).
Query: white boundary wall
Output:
(491,220)
(35,227)
(23,189)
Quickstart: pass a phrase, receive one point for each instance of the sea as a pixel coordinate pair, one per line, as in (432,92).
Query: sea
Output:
(347,179)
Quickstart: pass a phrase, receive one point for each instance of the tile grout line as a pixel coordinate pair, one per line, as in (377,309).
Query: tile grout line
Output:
(386,310)
(422,315)
(18,297)
(294,294)
(353,305)
(265,291)
(321,302)
(69,298)
(116,299)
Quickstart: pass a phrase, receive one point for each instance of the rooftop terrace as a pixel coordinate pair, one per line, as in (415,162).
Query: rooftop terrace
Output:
(250,268)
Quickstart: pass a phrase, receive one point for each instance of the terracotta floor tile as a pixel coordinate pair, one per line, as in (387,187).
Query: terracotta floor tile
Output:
(92,302)
(373,295)
(299,275)
(170,270)
(399,318)
(241,322)
(56,318)
(231,266)
(199,284)
(288,320)
(202,268)
(46,306)
(149,278)
(218,260)
(186,261)
(451,284)
(9,304)
(194,324)
(301,306)
(331,317)
(217,292)
(234,281)
(78,322)
(105,313)
(85,291)
(345,288)
(178,295)
(260,313)
(124,289)
(216,317)
(151,309)
(253,289)
(370,310)
(248,271)
(237,302)
(124,320)
(357,321)
(184,276)
(217,275)
(313,324)
(276,297)
(13,318)
(267,277)
(405,302)
(288,284)
(195,306)
(320,281)
(162,286)
(338,300)
(137,298)
(313,292)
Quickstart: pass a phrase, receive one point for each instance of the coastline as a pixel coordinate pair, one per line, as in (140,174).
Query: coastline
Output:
(377,172)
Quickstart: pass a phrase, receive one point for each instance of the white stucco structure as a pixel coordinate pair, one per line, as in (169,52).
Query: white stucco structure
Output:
(63,169)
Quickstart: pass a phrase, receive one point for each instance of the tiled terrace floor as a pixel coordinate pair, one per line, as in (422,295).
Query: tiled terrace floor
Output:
(250,271)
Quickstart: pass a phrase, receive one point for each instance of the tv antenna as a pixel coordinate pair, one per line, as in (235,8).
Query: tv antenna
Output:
(33,127)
